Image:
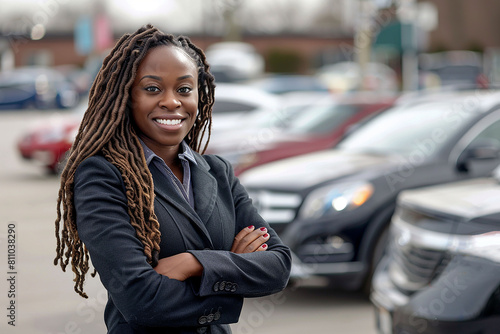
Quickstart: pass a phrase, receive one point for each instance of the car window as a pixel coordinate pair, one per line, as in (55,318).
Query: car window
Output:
(491,134)
(321,119)
(221,107)
(273,118)
(457,74)
(404,129)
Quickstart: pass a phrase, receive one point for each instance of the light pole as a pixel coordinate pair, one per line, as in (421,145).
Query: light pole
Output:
(407,13)
(363,39)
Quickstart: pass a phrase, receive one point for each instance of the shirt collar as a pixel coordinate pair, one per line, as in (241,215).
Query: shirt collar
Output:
(186,153)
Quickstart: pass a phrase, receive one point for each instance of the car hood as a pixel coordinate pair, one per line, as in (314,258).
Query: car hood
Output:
(311,169)
(469,199)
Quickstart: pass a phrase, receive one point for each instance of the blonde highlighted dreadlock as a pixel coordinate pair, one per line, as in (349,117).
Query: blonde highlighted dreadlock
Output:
(106,129)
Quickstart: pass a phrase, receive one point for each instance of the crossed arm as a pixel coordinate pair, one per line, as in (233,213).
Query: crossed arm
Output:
(184,265)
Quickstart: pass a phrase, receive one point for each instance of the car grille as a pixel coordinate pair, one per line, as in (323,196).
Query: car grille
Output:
(277,208)
(416,261)
(414,267)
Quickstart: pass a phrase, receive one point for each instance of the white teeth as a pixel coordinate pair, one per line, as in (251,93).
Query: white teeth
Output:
(168,121)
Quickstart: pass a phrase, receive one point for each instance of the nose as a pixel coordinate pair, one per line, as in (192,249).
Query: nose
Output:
(169,101)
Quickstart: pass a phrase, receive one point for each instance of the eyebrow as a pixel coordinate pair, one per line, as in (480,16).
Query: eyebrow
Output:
(155,77)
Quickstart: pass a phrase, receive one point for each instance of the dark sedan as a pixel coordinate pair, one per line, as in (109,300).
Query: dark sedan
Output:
(333,207)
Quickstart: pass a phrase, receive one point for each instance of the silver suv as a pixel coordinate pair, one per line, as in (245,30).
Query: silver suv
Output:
(441,270)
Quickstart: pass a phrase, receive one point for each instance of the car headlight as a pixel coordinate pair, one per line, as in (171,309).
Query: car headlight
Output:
(486,245)
(336,198)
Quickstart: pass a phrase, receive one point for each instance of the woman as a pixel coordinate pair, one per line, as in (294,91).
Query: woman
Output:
(172,233)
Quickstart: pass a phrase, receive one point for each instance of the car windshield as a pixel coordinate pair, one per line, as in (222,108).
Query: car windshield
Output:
(403,130)
(320,119)
(275,118)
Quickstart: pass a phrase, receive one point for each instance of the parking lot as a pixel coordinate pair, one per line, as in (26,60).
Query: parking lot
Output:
(44,301)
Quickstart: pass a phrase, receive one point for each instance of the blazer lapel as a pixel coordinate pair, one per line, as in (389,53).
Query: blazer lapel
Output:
(163,189)
(204,188)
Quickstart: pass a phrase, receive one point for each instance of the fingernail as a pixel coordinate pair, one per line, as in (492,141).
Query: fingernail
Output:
(265,235)
(264,246)
(250,227)
(263,229)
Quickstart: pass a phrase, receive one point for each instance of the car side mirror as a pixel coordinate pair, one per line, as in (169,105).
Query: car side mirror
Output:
(485,149)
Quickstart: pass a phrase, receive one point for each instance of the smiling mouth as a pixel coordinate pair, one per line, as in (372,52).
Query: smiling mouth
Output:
(168,121)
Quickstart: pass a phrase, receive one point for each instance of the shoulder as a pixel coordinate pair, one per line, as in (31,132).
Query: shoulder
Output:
(95,179)
(213,160)
(96,167)
(214,163)
(95,162)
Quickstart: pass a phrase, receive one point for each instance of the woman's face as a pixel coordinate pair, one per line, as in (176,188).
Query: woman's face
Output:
(165,97)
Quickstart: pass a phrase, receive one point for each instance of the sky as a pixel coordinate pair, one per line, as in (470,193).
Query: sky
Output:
(181,15)
(125,12)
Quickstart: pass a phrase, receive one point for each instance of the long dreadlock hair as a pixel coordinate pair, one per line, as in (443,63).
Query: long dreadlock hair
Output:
(106,129)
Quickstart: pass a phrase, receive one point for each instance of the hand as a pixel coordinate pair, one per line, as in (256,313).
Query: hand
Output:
(179,267)
(250,240)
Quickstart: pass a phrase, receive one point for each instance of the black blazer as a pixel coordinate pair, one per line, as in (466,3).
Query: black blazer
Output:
(143,301)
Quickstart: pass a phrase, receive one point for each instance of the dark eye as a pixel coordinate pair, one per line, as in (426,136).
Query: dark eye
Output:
(185,90)
(152,89)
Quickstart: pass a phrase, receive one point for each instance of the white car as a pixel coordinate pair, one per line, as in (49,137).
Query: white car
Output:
(232,101)
(234,61)
(261,126)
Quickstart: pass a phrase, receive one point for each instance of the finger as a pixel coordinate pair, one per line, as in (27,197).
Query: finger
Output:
(249,242)
(262,247)
(241,246)
(241,235)
(258,243)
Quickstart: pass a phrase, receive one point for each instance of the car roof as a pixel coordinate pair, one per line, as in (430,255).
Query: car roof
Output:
(478,99)
(27,74)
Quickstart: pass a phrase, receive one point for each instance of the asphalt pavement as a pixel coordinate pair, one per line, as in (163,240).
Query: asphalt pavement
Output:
(38,298)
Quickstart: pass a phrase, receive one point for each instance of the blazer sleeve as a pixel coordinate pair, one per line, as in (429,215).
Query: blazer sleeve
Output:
(144,297)
(249,274)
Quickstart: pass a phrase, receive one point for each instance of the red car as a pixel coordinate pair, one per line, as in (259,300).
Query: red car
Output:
(319,126)
(47,143)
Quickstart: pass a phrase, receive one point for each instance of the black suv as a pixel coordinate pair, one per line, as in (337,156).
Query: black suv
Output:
(441,273)
(332,208)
